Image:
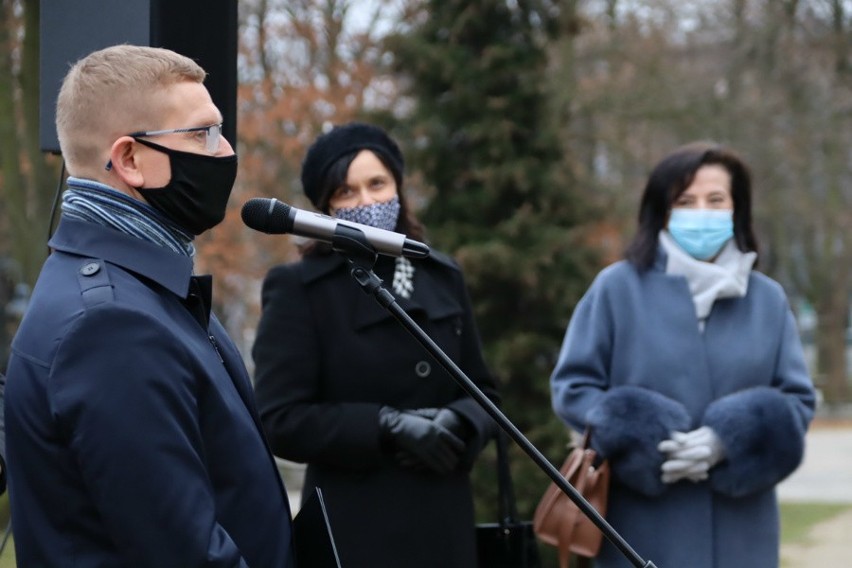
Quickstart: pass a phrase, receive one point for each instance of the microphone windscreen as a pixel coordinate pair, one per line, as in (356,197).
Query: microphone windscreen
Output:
(266,215)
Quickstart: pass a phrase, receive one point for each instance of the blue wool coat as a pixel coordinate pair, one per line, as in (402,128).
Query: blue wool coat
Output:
(132,434)
(634,366)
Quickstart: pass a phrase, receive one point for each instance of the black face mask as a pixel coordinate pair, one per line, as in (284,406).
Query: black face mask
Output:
(197,194)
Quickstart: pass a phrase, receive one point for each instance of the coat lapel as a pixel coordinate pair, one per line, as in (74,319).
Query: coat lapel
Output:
(431,298)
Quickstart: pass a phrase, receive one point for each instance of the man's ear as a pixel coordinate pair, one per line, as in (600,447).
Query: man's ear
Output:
(124,162)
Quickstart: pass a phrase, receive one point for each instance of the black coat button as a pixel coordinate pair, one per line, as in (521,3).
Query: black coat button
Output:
(423,369)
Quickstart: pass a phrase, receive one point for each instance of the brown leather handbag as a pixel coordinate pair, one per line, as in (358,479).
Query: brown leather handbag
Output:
(558,521)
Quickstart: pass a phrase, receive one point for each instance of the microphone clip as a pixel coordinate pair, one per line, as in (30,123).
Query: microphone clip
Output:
(362,256)
(353,244)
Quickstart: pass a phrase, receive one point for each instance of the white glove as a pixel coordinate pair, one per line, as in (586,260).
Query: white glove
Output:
(690,455)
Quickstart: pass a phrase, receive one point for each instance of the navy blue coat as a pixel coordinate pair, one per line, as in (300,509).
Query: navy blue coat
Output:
(328,357)
(132,434)
(635,366)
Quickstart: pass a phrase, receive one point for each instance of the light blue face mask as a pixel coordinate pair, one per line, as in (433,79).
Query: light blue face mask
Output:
(701,232)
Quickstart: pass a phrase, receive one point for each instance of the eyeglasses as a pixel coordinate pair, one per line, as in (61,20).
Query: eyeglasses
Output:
(212,134)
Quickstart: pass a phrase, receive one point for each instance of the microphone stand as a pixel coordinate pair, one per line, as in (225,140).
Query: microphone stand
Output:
(362,256)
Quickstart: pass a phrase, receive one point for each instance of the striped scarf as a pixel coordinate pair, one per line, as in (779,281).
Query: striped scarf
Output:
(87,200)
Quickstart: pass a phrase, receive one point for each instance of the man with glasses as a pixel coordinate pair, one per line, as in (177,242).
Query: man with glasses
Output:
(132,434)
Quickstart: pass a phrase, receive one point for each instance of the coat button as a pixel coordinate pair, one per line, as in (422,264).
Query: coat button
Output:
(90,269)
(423,369)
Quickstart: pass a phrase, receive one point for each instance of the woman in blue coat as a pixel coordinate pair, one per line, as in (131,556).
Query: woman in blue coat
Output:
(687,367)
(387,434)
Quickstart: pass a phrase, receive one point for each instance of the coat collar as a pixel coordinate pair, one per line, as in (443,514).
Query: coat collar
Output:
(169,269)
(431,294)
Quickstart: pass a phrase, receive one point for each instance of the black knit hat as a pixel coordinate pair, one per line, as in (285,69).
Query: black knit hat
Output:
(342,140)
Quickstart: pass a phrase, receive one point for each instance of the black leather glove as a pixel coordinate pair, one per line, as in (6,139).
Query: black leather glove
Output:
(451,420)
(409,434)
(429,413)
(447,418)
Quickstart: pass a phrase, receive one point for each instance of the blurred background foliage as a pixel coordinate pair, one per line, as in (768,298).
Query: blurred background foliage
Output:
(529,127)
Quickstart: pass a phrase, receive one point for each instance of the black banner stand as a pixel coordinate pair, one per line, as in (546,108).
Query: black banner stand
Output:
(352,244)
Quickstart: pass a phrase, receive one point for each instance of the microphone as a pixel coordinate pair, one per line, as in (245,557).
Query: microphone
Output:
(274,217)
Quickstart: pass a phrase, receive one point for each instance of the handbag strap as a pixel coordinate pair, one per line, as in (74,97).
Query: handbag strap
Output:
(586,444)
(508,509)
(587,438)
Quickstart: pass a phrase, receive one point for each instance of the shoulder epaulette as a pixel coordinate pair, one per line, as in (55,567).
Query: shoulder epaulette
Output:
(95,285)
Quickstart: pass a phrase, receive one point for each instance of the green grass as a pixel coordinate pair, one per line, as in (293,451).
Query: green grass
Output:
(797,519)
(7,558)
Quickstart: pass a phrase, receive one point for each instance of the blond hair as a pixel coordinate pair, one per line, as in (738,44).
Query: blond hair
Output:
(112,92)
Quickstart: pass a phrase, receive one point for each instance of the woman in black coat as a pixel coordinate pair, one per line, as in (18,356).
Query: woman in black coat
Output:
(387,434)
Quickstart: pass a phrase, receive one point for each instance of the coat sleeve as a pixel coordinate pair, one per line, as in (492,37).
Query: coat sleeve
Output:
(627,422)
(287,357)
(763,428)
(581,374)
(122,391)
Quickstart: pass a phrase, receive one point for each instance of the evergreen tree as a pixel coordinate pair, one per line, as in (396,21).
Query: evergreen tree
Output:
(503,200)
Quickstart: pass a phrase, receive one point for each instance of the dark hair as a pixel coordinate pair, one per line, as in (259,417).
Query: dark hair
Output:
(671,177)
(341,140)
(335,177)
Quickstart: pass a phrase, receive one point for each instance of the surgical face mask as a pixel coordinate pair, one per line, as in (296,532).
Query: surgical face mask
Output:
(379,215)
(701,232)
(196,196)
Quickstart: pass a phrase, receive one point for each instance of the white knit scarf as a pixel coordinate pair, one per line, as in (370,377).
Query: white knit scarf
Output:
(725,277)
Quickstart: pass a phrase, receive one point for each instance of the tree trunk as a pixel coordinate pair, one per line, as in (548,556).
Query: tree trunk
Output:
(12,187)
(42,174)
(26,185)
(833,320)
